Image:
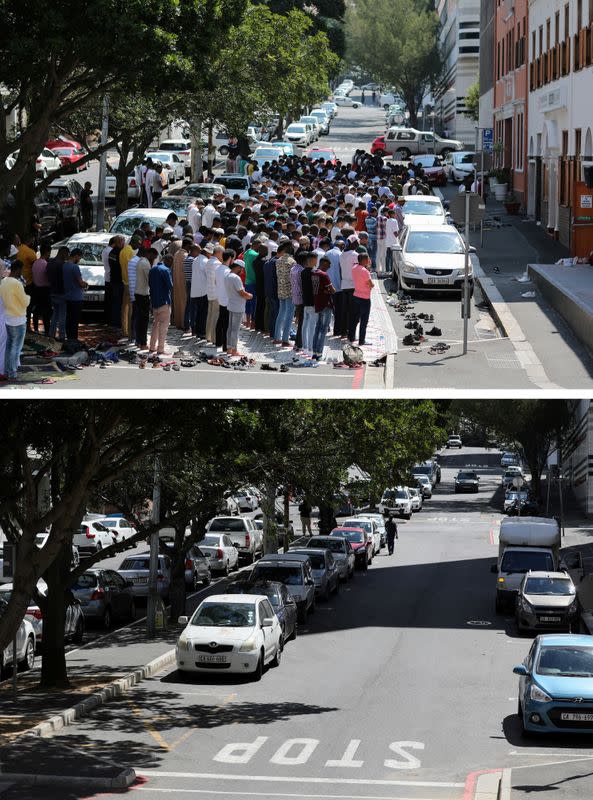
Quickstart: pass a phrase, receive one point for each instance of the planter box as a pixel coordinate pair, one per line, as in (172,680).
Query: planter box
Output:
(512,208)
(500,191)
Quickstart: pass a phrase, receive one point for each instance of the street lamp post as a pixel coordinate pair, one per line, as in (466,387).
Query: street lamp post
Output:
(154,554)
(103,166)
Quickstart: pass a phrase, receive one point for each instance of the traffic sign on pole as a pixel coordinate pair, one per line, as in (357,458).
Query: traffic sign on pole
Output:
(487,139)
(476,208)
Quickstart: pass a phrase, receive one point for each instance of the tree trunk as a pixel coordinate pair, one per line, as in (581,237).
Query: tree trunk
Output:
(197,167)
(286,514)
(326,518)
(177,591)
(211,150)
(268,508)
(24,206)
(54,674)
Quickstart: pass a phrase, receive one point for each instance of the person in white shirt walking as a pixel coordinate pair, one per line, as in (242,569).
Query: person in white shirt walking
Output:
(215,254)
(391,238)
(222,270)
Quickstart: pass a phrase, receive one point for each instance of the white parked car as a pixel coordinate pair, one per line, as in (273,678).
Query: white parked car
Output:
(220,551)
(431,257)
(235,184)
(340,100)
(454,441)
(246,500)
(120,526)
(417,498)
(324,119)
(174,164)
(369,526)
(129,221)
(459,165)
(398,500)
(315,124)
(47,161)
(424,209)
(298,133)
(181,148)
(230,633)
(425,485)
(93,536)
(330,107)
(25,644)
(134,189)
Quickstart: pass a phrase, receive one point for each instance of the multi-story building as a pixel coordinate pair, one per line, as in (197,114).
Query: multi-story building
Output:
(560,110)
(510,91)
(577,455)
(460,42)
(487,33)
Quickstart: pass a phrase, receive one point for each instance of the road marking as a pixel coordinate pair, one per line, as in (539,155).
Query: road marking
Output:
(347,759)
(280,794)
(554,763)
(147,773)
(153,732)
(545,755)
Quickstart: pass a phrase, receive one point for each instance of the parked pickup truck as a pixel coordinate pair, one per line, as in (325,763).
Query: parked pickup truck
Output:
(529,544)
(243,534)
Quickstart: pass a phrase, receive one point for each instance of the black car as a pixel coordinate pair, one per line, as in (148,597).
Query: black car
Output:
(104,595)
(66,192)
(49,214)
(281,601)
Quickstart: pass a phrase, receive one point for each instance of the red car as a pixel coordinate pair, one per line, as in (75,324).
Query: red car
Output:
(378,146)
(70,155)
(361,545)
(325,153)
(433,169)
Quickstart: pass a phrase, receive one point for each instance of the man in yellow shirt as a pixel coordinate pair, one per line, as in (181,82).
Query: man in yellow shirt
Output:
(27,254)
(127,252)
(15,302)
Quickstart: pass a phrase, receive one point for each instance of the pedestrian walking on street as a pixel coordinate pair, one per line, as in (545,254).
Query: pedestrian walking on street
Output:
(374,97)
(363,98)
(391,533)
(86,206)
(305,515)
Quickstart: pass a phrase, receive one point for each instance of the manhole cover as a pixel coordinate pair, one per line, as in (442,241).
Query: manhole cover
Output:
(479,623)
(503,362)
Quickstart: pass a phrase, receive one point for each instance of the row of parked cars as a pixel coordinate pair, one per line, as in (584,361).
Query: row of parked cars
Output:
(246,628)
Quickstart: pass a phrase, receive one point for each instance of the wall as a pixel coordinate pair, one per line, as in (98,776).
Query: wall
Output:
(577,455)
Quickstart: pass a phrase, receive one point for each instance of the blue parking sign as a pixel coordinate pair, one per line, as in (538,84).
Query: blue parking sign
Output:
(487,139)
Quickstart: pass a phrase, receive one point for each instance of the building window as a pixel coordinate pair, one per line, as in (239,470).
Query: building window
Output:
(564,172)
(557,27)
(541,39)
(579,15)
(547,34)
(566,21)
(577,142)
(519,134)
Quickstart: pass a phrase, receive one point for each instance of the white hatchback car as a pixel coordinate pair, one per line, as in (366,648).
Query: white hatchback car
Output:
(424,209)
(173,163)
(220,551)
(120,526)
(25,644)
(230,633)
(431,257)
(93,536)
(340,100)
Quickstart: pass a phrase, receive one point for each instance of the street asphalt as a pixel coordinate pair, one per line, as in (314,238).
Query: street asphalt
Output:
(400,687)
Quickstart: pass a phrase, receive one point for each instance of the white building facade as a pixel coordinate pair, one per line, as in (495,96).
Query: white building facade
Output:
(577,455)
(460,42)
(560,109)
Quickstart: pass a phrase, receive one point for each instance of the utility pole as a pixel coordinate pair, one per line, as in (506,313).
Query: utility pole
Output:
(154,553)
(466,276)
(103,166)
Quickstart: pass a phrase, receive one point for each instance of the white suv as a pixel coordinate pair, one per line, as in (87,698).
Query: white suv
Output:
(454,441)
(398,500)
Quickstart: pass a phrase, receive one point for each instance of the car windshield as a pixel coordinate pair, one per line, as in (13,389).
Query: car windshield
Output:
(140,564)
(225,615)
(571,662)
(422,470)
(176,203)
(467,476)
(423,207)
(359,523)
(401,494)
(316,155)
(296,129)
(422,478)
(353,536)
(327,544)
(234,524)
(522,561)
(268,152)
(428,161)
(549,586)
(128,223)
(63,151)
(317,560)
(234,183)
(210,541)
(388,494)
(194,190)
(175,146)
(91,253)
(163,157)
(468,158)
(289,575)
(434,242)
(85,581)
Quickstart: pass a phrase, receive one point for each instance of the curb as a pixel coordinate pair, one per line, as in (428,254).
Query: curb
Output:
(122,781)
(115,689)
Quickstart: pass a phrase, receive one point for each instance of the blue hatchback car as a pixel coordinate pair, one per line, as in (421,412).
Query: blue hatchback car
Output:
(556,685)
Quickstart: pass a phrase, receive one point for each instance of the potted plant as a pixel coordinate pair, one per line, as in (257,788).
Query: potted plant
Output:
(511,203)
(492,180)
(503,177)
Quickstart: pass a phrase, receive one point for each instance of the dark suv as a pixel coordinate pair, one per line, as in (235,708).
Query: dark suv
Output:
(66,192)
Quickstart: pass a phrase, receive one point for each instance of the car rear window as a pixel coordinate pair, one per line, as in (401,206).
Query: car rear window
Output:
(327,544)
(135,563)
(236,525)
(290,576)
(85,581)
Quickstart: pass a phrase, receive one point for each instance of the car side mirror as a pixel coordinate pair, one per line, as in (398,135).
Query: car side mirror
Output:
(494,569)
(267,622)
(521,669)
(182,620)
(472,249)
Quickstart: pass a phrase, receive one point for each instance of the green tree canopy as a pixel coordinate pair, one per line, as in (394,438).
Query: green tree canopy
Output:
(396,42)
(472,101)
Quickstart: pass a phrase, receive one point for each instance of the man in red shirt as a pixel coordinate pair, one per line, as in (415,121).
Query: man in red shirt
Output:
(323,302)
(361,301)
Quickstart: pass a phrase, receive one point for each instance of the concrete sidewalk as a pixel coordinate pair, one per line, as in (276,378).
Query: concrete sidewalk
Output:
(552,355)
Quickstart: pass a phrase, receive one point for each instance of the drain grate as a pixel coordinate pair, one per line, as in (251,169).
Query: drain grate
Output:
(503,362)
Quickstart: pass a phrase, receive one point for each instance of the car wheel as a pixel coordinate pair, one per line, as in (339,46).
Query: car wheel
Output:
(226,570)
(313,606)
(79,631)
(98,547)
(206,581)
(355,105)
(194,582)
(107,621)
(28,661)
(295,631)
(278,657)
(259,670)
(402,154)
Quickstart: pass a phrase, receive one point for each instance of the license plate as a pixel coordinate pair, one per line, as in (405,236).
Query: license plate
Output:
(140,580)
(575,717)
(437,280)
(93,297)
(550,619)
(212,659)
